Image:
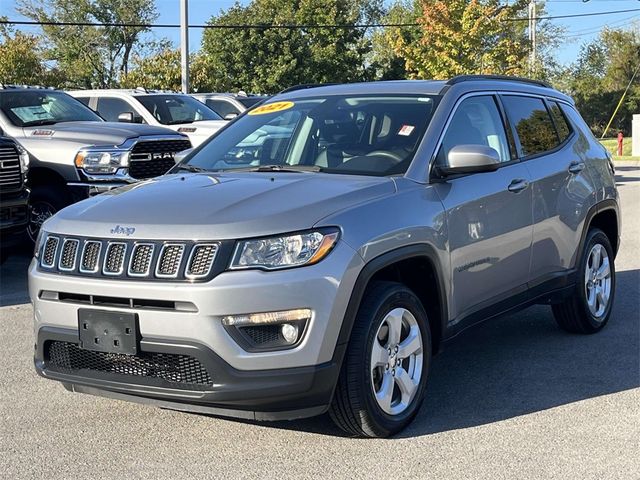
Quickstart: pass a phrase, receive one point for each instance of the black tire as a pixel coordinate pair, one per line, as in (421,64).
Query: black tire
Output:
(573,314)
(354,407)
(45,200)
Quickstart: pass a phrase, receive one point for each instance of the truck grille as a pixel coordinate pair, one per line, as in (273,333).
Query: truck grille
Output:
(10,174)
(155,157)
(130,259)
(180,371)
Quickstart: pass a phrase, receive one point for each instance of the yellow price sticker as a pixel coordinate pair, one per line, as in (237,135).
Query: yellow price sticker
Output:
(271,108)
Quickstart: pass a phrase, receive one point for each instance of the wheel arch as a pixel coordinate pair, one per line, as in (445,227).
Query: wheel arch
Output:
(604,215)
(404,265)
(40,176)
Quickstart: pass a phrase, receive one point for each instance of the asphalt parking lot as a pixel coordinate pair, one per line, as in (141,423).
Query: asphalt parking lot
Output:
(515,398)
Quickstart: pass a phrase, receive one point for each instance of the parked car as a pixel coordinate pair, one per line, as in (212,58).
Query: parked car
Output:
(176,111)
(14,194)
(74,153)
(229,105)
(324,271)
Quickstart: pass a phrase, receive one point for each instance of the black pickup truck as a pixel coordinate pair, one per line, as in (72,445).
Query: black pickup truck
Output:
(14,194)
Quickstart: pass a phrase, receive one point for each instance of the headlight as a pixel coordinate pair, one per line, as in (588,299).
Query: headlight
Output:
(23,155)
(36,247)
(102,161)
(292,250)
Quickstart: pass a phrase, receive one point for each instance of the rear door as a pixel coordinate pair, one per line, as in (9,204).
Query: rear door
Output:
(551,149)
(488,214)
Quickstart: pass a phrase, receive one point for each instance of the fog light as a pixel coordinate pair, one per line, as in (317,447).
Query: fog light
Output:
(289,332)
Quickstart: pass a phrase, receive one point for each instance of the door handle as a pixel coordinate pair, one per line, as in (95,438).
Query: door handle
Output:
(518,185)
(576,167)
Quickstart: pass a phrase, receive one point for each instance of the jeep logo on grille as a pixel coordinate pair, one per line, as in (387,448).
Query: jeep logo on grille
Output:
(119,230)
(160,155)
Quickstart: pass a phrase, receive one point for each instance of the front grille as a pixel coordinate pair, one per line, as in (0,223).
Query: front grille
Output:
(114,258)
(10,173)
(90,256)
(178,371)
(140,263)
(154,158)
(69,252)
(50,251)
(201,260)
(131,259)
(170,260)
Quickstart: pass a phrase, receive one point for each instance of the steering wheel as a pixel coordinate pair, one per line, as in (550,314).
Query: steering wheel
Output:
(385,153)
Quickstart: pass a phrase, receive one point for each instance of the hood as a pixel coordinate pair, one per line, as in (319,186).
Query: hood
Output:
(218,207)
(198,132)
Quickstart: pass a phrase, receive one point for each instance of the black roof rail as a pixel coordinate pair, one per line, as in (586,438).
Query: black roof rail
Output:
(304,86)
(507,78)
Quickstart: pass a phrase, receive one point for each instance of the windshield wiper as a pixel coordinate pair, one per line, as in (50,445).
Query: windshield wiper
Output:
(285,168)
(191,168)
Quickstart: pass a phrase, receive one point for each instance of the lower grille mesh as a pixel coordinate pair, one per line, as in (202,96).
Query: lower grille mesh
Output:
(181,371)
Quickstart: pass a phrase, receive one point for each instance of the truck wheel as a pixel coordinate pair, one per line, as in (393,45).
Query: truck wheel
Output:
(384,372)
(45,201)
(589,308)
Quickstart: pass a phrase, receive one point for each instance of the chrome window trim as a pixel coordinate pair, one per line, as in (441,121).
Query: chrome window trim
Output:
(106,257)
(132,256)
(55,252)
(191,254)
(75,256)
(159,262)
(84,247)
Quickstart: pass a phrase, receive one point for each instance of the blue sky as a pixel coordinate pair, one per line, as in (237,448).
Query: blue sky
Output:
(578,30)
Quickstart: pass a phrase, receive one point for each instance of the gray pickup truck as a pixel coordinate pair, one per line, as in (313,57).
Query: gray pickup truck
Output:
(74,153)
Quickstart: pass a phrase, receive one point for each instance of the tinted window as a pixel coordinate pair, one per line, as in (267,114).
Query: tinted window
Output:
(26,108)
(533,124)
(110,108)
(367,135)
(562,126)
(176,109)
(476,121)
(221,107)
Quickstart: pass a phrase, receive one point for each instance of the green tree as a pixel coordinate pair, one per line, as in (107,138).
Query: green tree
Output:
(22,62)
(598,79)
(456,37)
(91,56)
(270,59)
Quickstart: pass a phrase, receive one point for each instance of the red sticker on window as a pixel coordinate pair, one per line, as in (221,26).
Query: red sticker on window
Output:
(406,130)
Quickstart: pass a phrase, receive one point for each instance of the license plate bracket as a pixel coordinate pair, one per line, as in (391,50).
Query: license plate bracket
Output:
(108,331)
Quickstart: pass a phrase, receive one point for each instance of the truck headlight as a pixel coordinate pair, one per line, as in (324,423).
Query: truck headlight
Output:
(285,251)
(101,161)
(23,155)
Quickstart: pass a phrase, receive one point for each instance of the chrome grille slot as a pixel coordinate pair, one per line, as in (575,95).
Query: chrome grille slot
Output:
(201,260)
(114,258)
(68,254)
(140,262)
(49,252)
(90,256)
(170,260)
(10,173)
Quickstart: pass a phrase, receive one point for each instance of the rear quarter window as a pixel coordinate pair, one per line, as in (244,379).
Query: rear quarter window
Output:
(532,123)
(562,126)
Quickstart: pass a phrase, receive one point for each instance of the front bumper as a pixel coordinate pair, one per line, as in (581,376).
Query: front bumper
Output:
(284,381)
(14,215)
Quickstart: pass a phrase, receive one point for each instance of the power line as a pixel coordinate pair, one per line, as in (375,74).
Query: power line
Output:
(575,15)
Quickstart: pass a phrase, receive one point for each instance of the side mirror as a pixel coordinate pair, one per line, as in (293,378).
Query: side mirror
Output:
(178,157)
(125,117)
(471,159)
(230,116)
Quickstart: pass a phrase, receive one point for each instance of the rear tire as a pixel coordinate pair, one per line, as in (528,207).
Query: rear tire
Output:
(589,308)
(378,394)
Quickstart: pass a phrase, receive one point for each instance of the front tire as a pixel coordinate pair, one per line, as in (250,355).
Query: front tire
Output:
(589,308)
(45,201)
(384,373)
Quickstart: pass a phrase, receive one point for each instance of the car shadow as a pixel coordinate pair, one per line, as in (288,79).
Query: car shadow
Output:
(519,364)
(13,275)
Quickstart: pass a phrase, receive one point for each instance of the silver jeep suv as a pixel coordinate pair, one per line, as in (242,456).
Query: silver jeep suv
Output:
(318,251)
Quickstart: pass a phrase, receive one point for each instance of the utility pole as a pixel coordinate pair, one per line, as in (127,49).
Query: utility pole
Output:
(532,37)
(184,44)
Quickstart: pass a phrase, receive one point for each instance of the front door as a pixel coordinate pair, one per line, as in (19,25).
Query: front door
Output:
(489,215)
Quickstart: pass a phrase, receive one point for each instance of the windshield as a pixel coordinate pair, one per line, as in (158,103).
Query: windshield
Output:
(176,109)
(366,135)
(26,108)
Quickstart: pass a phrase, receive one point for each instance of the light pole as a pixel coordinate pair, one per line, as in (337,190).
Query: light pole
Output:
(532,37)
(184,44)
